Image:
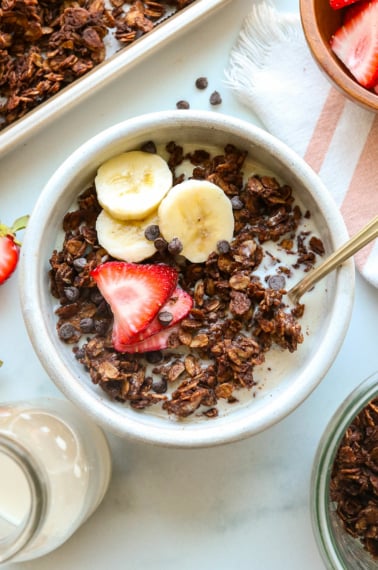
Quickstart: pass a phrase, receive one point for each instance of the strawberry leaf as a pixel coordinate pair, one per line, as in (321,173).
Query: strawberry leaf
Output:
(20,224)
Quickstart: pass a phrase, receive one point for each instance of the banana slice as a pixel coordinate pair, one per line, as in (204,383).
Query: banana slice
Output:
(131,185)
(125,239)
(199,214)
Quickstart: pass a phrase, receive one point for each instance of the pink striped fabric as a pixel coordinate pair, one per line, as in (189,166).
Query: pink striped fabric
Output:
(360,202)
(325,127)
(272,71)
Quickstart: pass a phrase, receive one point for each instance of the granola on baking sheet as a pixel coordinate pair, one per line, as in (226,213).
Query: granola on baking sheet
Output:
(46,45)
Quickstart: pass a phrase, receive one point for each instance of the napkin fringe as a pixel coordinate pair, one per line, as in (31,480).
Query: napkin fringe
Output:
(253,48)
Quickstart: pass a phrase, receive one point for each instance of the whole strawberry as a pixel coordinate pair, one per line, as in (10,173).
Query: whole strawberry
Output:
(10,247)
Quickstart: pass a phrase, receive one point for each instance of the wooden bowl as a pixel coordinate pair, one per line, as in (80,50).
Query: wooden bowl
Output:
(319,22)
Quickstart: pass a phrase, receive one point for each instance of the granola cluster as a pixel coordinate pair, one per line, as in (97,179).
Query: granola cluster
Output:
(47,44)
(236,317)
(354,478)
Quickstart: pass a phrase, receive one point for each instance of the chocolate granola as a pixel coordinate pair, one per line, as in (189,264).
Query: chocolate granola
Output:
(45,45)
(354,478)
(236,318)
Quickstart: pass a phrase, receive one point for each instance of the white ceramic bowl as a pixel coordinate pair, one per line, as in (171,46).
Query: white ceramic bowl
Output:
(286,386)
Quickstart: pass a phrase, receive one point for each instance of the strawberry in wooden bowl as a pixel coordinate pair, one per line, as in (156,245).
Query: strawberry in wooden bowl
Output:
(343,38)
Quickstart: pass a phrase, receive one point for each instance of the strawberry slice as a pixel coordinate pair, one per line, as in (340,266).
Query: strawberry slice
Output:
(135,293)
(338,4)
(158,341)
(174,310)
(10,248)
(356,44)
(353,10)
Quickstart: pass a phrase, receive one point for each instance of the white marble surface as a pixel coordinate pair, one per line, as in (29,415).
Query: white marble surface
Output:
(241,506)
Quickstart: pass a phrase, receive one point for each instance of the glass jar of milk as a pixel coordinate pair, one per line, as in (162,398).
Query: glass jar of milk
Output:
(55,467)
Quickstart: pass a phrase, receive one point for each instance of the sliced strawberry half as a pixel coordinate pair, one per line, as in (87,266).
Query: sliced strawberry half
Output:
(353,10)
(356,44)
(338,4)
(135,293)
(176,308)
(158,341)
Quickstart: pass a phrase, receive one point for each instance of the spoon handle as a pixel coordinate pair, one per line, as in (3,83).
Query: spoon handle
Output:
(358,241)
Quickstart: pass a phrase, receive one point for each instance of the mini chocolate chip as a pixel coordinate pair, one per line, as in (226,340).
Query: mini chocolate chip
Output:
(86,325)
(159,385)
(223,246)
(101,327)
(152,232)
(72,293)
(96,297)
(215,98)
(175,246)
(79,263)
(79,353)
(66,331)
(149,146)
(276,282)
(182,104)
(103,309)
(236,203)
(165,318)
(154,357)
(160,244)
(202,82)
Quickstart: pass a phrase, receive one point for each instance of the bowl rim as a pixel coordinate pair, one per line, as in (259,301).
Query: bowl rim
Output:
(215,431)
(327,61)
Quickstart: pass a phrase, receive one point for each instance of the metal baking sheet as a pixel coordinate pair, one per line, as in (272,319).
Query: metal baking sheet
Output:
(114,65)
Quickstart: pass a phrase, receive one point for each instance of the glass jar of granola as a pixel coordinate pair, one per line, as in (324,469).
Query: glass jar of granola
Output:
(344,487)
(55,467)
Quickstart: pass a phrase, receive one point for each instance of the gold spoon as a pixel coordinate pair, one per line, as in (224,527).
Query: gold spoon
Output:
(357,242)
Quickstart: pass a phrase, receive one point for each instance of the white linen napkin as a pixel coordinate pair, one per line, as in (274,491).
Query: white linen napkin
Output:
(271,70)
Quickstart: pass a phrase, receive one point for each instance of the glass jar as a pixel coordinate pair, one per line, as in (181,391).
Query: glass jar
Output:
(340,550)
(55,466)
